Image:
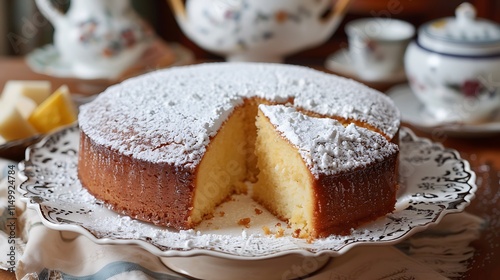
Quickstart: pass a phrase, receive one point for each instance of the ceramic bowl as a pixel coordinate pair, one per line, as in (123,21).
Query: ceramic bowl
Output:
(454,67)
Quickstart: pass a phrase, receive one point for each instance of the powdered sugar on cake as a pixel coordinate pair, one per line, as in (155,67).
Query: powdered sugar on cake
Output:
(170,115)
(326,146)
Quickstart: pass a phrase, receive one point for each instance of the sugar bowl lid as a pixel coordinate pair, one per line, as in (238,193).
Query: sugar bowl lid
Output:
(462,35)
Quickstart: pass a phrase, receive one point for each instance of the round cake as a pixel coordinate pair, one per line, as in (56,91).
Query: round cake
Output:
(169,146)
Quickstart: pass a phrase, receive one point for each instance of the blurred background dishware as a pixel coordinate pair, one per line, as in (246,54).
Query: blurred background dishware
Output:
(377,46)
(340,62)
(26,28)
(97,39)
(415,114)
(454,67)
(258,30)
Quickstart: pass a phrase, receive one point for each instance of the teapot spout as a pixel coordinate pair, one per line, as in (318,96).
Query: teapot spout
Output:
(50,12)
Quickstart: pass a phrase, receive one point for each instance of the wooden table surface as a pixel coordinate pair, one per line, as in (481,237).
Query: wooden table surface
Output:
(482,153)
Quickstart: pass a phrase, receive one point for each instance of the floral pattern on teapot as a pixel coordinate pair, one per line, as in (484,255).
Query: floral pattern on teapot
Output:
(258,30)
(232,13)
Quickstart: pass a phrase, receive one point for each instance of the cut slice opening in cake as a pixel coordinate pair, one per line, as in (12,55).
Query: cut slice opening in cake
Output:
(305,169)
(284,182)
(223,168)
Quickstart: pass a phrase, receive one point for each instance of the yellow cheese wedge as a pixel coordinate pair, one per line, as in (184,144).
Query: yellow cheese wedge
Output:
(25,106)
(57,110)
(38,91)
(12,124)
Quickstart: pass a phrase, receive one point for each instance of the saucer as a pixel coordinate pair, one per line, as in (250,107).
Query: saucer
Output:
(340,62)
(47,60)
(413,112)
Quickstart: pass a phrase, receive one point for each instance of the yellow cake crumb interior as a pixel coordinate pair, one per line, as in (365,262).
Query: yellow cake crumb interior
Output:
(239,152)
(222,170)
(284,182)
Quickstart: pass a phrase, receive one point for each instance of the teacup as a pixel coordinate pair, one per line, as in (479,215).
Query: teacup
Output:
(258,30)
(377,46)
(454,67)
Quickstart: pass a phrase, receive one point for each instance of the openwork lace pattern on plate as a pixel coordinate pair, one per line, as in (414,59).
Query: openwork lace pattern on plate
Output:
(434,181)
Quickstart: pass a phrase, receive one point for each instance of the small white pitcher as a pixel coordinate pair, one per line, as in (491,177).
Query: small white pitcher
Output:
(98,38)
(258,30)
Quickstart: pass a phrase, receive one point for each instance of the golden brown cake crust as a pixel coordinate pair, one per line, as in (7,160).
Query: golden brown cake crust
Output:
(348,200)
(139,189)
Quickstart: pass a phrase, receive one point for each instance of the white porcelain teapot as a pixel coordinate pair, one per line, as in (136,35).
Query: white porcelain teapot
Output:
(98,38)
(454,67)
(258,30)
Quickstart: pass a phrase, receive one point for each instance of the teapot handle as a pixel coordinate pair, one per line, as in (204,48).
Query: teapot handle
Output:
(339,9)
(178,7)
(49,11)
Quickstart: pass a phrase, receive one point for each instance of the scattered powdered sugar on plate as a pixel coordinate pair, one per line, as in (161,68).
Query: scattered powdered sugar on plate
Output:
(435,181)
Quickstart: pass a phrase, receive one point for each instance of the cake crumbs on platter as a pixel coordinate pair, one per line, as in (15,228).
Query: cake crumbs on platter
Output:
(296,233)
(258,211)
(222,213)
(303,234)
(280,232)
(266,230)
(244,222)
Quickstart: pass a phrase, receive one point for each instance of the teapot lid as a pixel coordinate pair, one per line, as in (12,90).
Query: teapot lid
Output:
(463,34)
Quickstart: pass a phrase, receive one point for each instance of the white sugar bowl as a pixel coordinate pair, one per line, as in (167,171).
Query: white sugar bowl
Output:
(258,30)
(454,67)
